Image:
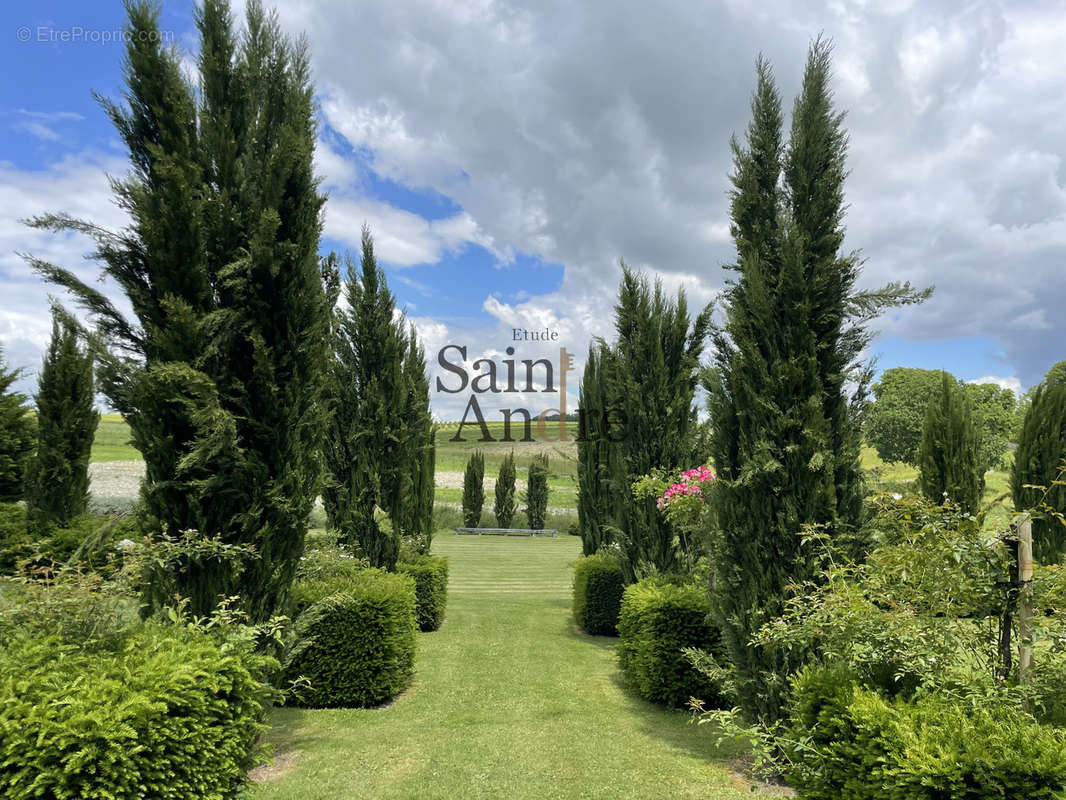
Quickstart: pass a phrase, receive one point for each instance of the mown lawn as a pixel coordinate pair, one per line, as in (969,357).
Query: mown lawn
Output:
(112,442)
(509,701)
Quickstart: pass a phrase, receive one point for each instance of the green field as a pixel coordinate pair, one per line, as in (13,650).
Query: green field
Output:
(509,701)
(112,440)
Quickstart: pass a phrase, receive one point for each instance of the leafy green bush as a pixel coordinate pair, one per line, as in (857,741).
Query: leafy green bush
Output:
(598,587)
(356,647)
(430,574)
(848,743)
(14,541)
(88,540)
(171,714)
(657,620)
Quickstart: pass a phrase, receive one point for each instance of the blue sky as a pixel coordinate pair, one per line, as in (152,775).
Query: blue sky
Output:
(506,161)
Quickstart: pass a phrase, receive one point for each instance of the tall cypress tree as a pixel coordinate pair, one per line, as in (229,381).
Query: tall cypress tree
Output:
(651,373)
(593,452)
(18,435)
(537,492)
(57,480)
(220,374)
(380,435)
(949,457)
(504,507)
(474,489)
(1037,462)
(785,438)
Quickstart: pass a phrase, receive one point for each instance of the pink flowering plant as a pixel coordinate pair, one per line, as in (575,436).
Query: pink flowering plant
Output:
(680,496)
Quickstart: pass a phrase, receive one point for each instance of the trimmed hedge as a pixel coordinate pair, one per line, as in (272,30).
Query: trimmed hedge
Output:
(598,588)
(860,746)
(356,647)
(656,621)
(169,714)
(430,574)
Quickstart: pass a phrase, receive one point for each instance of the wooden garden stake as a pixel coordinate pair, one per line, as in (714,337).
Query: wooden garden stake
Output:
(1025,600)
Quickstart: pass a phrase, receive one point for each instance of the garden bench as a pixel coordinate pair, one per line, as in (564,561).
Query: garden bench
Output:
(504,531)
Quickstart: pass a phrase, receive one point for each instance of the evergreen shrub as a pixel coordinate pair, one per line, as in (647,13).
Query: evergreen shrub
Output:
(430,574)
(859,746)
(598,587)
(356,647)
(171,714)
(657,620)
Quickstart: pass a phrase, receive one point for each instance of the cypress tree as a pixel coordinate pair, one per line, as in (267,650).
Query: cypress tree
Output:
(380,428)
(57,483)
(593,452)
(504,507)
(537,492)
(786,435)
(651,374)
(420,448)
(949,458)
(1038,461)
(220,375)
(473,489)
(18,435)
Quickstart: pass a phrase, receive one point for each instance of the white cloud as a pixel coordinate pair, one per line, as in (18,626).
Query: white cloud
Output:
(1011,383)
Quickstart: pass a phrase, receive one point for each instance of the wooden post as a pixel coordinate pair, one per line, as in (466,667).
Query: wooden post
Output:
(1025,599)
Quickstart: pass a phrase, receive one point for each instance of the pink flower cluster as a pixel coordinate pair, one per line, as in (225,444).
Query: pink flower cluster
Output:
(691,485)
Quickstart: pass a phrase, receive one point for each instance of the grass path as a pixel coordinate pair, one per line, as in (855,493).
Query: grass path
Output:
(508,702)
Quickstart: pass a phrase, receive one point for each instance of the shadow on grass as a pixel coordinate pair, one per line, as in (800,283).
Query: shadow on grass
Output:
(675,727)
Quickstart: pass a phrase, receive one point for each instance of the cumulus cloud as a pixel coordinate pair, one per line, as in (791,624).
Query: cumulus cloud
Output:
(585,134)
(1011,383)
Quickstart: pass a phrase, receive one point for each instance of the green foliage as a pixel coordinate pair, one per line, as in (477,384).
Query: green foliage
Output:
(430,574)
(594,453)
(18,436)
(356,647)
(848,743)
(657,621)
(220,373)
(504,507)
(894,420)
(473,490)
(949,466)
(167,712)
(598,586)
(904,617)
(537,492)
(86,541)
(637,414)
(993,416)
(1037,462)
(14,539)
(785,427)
(57,478)
(379,448)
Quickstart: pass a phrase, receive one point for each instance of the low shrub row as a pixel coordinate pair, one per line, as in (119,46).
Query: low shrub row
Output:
(598,587)
(167,712)
(354,646)
(850,743)
(430,574)
(658,619)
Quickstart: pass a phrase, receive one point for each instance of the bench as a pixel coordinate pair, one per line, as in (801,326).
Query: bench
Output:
(504,531)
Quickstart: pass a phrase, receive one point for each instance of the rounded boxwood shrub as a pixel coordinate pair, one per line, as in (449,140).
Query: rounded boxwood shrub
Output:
(356,647)
(170,713)
(658,619)
(598,587)
(857,745)
(430,574)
